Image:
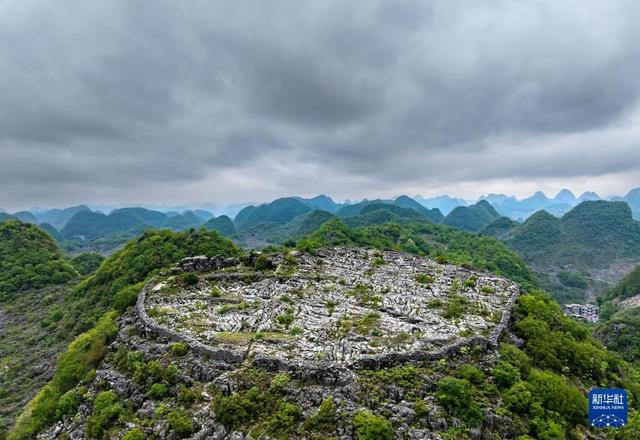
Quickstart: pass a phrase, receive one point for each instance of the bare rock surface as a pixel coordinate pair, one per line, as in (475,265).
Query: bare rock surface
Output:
(350,307)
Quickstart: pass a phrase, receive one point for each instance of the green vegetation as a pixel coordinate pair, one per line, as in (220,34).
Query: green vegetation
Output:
(114,285)
(620,329)
(280,211)
(118,277)
(260,408)
(368,426)
(83,354)
(572,279)
(106,409)
(424,278)
(457,397)
(181,423)
(179,349)
(87,263)
(472,218)
(222,225)
(29,259)
(593,235)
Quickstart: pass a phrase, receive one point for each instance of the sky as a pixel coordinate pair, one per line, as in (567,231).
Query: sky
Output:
(154,101)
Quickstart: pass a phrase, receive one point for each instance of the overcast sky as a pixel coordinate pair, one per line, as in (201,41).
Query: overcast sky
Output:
(207,101)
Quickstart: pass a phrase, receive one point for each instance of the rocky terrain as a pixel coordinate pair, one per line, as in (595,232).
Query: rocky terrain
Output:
(294,346)
(358,308)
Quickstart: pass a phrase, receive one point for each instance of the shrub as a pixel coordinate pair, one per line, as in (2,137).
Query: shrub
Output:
(280,382)
(456,396)
(472,281)
(180,423)
(179,349)
(134,434)
(157,391)
(188,279)
(455,307)
(286,319)
(262,263)
(188,395)
(505,374)
(471,373)
(126,297)
(67,404)
(232,411)
(424,278)
(285,419)
(106,409)
(324,419)
(371,427)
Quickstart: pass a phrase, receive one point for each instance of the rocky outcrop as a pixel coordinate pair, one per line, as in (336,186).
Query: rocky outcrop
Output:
(343,308)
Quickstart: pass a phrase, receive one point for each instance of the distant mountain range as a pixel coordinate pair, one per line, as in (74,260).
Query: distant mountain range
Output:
(578,246)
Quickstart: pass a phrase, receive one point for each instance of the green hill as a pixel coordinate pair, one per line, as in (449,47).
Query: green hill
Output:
(579,255)
(223,225)
(350,210)
(633,200)
(307,223)
(280,212)
(53,232)
(29,259)
(500,228)
(378,213)
(321,202)
(407,202)
(394,206)
(473,218)
(146,216)
(37,324)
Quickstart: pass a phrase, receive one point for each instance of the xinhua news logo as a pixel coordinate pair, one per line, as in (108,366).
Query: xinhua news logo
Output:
(608,408)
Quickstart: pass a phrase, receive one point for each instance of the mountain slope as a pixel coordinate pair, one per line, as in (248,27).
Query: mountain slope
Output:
(29,259)
(426,238)
(633,200)
(619,328)
(472,218)
(280,211)
(66,312)
(223,225)
(595,243)
(321,202)
(25,216)
(407,202)
(53,232)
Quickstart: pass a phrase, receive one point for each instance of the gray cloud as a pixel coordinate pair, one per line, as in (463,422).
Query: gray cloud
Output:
(201,101)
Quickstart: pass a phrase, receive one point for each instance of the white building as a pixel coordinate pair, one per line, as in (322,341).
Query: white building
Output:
(588,312)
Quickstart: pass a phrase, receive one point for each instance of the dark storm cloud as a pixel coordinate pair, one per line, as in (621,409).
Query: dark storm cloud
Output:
(201,100)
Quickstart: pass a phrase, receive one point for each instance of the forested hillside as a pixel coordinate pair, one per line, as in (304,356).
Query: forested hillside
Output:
(43,315)
(620,317)
(29,259)
(579,255)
